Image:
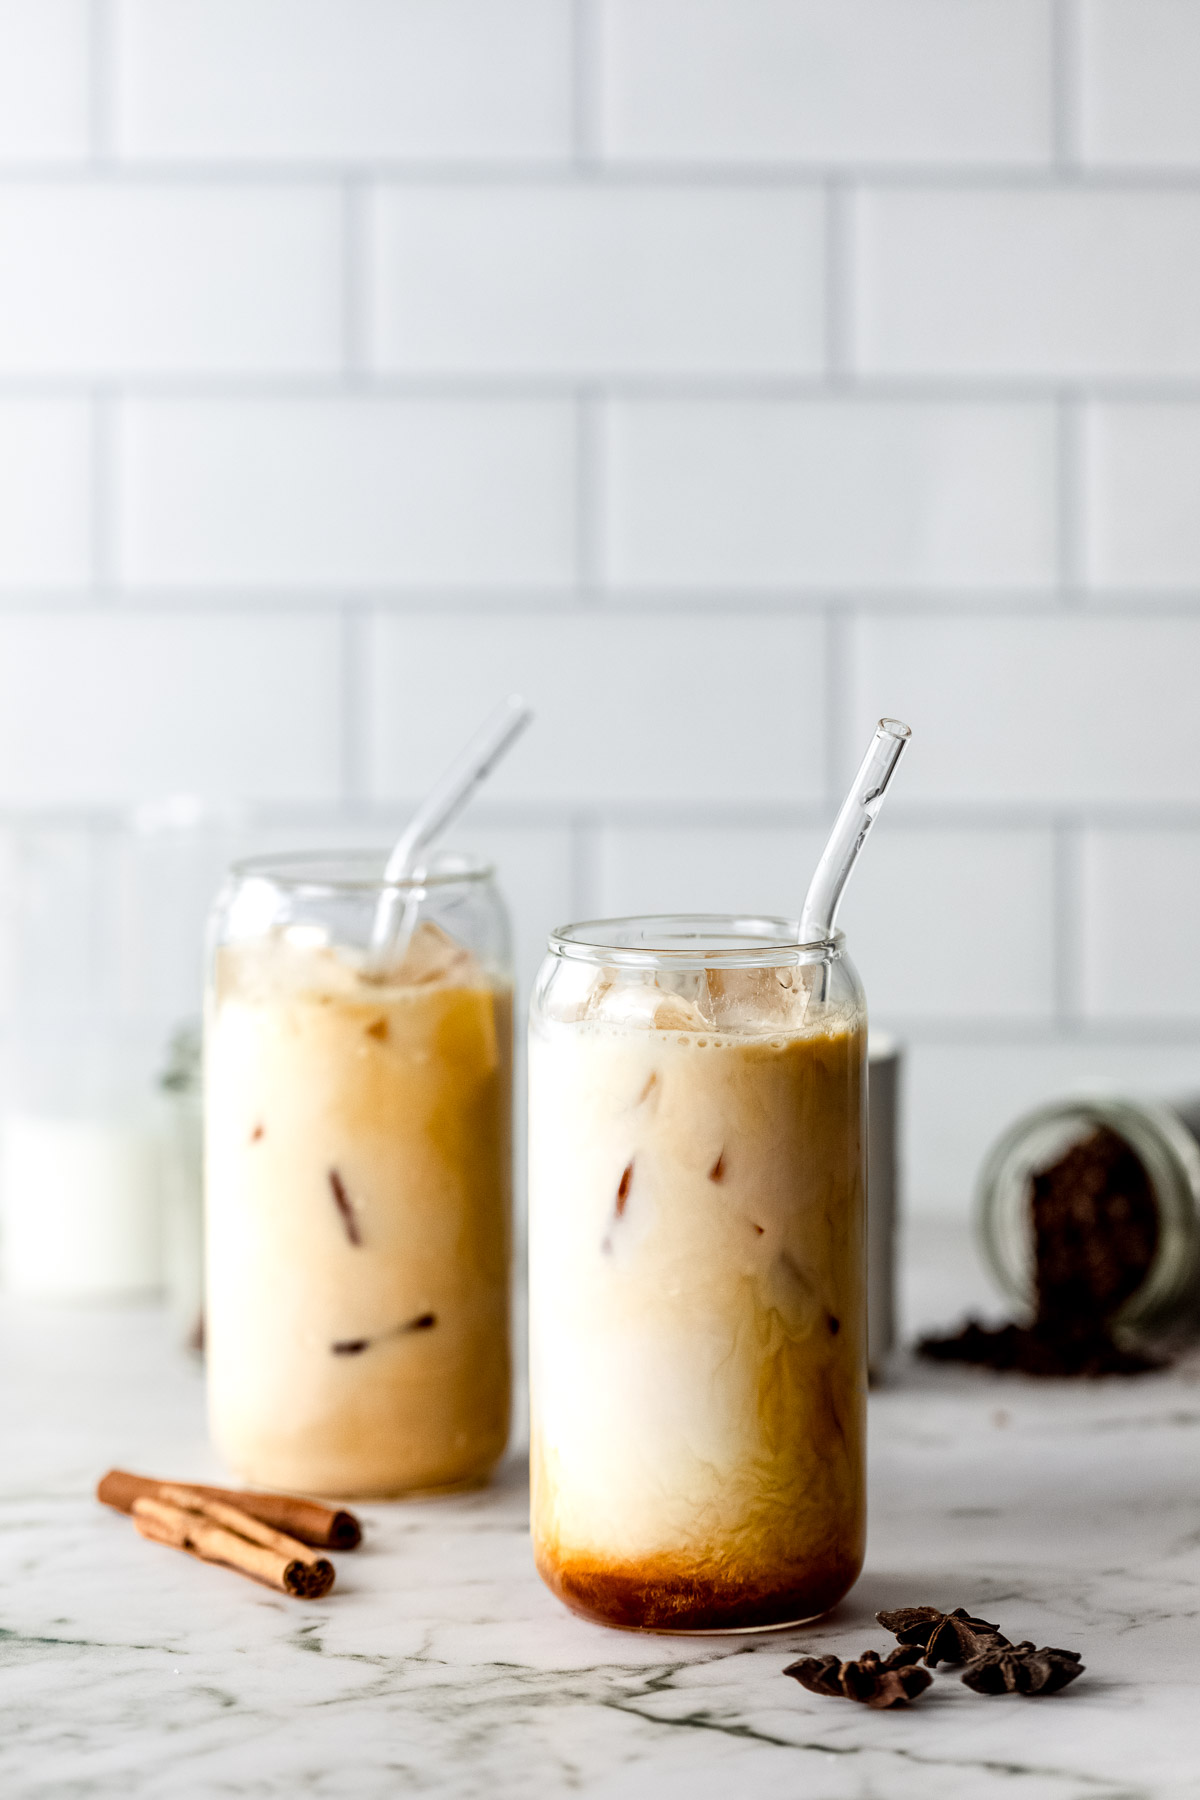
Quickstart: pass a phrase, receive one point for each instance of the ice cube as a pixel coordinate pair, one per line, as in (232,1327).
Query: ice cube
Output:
(645,1003)
(760,1000)
(432,955)
(305,937)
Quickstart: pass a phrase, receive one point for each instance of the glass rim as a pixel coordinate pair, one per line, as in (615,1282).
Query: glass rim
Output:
(345,871)
(643,940)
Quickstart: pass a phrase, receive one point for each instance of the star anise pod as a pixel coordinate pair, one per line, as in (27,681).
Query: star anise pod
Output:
(877,1681)
(1021,1669)
(943,1637)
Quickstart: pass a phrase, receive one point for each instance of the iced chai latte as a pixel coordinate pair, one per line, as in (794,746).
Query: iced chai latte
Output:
(697,1196)
(357,1177)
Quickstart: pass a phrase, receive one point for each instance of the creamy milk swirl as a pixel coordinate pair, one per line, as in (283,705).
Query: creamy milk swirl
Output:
(697,1203)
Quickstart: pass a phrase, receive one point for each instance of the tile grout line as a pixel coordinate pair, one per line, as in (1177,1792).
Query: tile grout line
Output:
(856,389)
(104,497)
(839,281)
(101,81)
(1065,86)
(1067,926)
(589,497)
(354,700)
(102,846)
(560,816)
(585,826)
(556,816)
(1071,495)
(356,248)
(585,89)
(808,605)
(839,751)
(953,177)
(723,815)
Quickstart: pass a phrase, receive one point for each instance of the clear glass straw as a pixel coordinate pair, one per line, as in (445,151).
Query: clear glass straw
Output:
(859,811)
(395,916)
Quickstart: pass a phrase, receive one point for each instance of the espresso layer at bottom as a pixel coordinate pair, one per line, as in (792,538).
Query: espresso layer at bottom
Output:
(656,1596)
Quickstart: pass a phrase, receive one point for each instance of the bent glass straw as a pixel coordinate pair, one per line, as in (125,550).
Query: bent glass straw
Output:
(859,812)
(395,917)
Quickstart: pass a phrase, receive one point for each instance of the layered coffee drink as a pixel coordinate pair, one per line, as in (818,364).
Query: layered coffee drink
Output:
(358,1211)
(697,1202)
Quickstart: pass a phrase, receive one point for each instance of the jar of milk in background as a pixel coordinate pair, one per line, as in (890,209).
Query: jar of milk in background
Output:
(101,967)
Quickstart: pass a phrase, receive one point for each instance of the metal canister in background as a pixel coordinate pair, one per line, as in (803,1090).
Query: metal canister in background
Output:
(883,1176)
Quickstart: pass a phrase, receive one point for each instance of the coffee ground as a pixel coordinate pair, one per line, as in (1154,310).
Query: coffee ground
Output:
(1095,1235)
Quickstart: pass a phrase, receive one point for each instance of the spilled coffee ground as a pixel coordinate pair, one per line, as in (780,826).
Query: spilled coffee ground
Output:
(1095,1235)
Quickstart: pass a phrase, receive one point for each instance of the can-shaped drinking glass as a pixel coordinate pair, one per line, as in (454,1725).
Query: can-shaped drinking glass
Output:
(358,1176)
(697,1183)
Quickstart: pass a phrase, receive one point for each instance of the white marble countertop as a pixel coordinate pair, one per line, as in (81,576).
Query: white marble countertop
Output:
(441,1666)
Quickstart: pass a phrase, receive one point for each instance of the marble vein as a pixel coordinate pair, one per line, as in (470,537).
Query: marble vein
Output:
(441,1667)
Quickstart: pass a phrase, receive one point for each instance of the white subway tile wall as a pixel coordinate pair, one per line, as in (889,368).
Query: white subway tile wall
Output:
(103,707)
(698,710)
(1139,924)
(714,867)
(45,493)
(1056,710)
(113,278)
(1002,880)
(597,279)
(959,1097)
(366,491)
(844,494)
(44,79)
(1143,481)
(311,80)
(920,81)
(1054,282)
(1140,88)
(722,374)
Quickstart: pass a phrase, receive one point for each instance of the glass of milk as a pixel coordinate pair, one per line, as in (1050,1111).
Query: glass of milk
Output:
(357,1174)
(697,1180)
(80,1172)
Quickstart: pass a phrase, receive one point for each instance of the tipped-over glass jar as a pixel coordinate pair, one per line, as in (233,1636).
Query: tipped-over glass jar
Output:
(697,1308)
(1146,1274)
(358,1178)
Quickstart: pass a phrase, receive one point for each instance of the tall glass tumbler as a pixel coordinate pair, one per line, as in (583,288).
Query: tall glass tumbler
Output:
(358,1157)
(697,1284)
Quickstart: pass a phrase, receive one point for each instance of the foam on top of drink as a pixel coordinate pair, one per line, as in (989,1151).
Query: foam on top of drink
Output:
(301,959)
(733,1002)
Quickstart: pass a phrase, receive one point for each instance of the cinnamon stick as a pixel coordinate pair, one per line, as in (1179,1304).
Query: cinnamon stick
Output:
(326,1527)
(234,1519)
(305,1578)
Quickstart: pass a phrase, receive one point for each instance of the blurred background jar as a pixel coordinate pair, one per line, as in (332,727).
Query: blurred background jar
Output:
(1152,1219)
(358,1175)
(101,967)
(182,1087)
